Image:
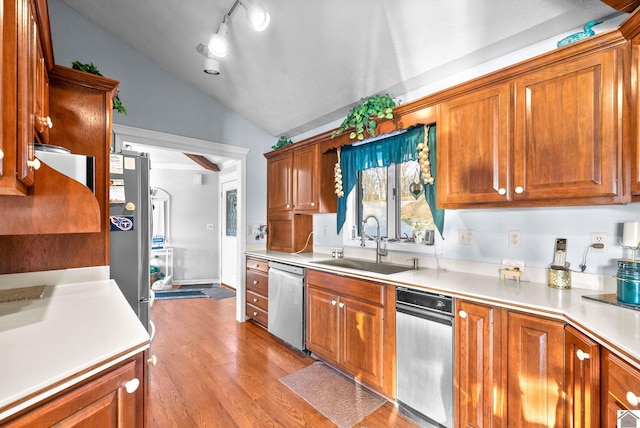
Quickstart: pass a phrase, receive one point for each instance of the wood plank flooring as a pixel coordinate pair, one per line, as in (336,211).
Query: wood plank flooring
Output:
(215,372)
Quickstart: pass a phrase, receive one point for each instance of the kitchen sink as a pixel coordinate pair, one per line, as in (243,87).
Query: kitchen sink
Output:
(383,268)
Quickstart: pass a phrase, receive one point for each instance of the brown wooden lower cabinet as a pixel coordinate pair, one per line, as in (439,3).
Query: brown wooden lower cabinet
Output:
(479,374)
(582,380)
(346,327)
(620,388)
(257,303)
(107,400)
(509,368)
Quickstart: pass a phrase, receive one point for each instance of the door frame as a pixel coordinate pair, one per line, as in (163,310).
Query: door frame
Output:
(123,134)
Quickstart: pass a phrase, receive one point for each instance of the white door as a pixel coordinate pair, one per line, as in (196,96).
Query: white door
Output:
(229,233)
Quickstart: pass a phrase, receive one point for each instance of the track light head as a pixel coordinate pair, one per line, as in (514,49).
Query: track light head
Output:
(211,66)
(218,43)
(258,16)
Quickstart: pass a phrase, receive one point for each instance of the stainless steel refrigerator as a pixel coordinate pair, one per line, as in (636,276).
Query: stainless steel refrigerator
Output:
(130,229)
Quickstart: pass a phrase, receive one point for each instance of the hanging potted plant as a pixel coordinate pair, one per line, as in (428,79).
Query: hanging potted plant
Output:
(363,116)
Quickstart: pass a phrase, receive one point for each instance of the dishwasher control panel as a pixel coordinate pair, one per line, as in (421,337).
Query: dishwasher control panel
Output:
(424,299)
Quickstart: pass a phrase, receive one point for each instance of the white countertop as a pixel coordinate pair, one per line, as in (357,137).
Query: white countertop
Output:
(614,327)
(71,333)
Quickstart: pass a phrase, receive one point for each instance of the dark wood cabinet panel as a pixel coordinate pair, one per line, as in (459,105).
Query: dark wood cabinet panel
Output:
(620,387)
(535,371)
(112,399)
(279,182)
(566,131)
(322,324)
(473,148)
(582,380)
(305,179)
(479,375)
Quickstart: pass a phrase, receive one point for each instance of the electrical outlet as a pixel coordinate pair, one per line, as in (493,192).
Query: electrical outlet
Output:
(599,238)
(466,237)
(514,239)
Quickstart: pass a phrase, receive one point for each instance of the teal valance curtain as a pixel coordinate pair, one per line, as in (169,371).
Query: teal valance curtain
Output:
(380,153)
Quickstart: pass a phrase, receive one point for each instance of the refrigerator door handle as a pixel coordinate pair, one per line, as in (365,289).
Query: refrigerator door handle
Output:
(152,327)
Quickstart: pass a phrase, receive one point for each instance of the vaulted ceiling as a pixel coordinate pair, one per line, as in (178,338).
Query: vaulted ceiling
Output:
(318,58)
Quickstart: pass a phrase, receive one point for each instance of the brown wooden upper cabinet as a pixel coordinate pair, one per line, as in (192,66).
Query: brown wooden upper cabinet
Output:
(294,181)
(549,136)
(22,99)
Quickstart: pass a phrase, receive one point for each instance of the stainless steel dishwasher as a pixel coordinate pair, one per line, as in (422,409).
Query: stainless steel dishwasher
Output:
(424,348)
(286,303)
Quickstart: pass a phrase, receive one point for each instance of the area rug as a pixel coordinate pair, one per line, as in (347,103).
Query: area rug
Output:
(341,400)
(213,291)
(179,294)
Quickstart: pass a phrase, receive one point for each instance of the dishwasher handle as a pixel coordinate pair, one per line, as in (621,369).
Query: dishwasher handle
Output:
(425,314)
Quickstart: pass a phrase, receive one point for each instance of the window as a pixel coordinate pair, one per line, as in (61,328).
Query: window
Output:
(378,190)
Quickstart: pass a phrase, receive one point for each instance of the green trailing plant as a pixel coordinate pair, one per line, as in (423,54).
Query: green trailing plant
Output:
(91,68)
(282,142)
(363,116)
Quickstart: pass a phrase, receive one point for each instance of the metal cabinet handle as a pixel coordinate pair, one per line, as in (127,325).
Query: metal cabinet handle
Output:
(633,399)
(333,302)
(132,385)
(582,355)
(341,305)
(255,314)
(255,300)
(313,204)
(519,189)
(502,191)
(463,314)
(255,282)
(153,360)
(1,154)
(288,205)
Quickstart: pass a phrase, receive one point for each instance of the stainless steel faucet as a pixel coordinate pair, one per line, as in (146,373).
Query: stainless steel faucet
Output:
(379,251)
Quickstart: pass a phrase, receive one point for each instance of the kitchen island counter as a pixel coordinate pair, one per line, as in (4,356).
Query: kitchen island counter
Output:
(614,327)
(70,334)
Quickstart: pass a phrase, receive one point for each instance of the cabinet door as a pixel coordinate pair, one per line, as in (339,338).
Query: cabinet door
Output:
(107,401)
(305,179)
(361,344)
(279,181)
(582,379)
(535,376)
(621,388)
(473,148)
(479,376)
(322,323)
(26,90)
(566,131)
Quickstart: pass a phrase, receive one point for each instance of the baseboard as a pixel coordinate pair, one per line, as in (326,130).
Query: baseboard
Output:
(195,281)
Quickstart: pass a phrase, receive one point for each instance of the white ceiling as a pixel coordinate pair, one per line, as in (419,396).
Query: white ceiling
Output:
(318,58)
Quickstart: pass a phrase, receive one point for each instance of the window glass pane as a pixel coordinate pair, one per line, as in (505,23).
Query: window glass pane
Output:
(414,213)
(373,190)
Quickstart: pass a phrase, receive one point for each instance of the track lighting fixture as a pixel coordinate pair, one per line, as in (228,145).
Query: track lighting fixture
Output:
(218,45)
(258,16)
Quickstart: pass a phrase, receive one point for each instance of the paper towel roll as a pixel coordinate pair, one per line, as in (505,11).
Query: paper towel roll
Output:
(631,234)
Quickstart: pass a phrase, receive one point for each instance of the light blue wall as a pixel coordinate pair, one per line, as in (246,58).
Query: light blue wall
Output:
(157,100)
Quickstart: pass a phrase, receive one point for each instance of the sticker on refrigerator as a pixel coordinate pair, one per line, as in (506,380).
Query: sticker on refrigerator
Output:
(116,191)
(121,223)
(115,163)
(130,163)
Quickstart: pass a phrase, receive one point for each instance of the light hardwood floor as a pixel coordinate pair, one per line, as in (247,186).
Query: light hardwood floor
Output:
(215,372)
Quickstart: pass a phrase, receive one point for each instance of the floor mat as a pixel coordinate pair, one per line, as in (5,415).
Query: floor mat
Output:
(179,294)
(339,399)
(219,293)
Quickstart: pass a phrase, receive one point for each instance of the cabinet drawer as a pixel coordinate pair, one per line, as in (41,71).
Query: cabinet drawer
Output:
(257,314)
(258,282)
(257,300)
(364,290)
(622,379)
(258,264)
